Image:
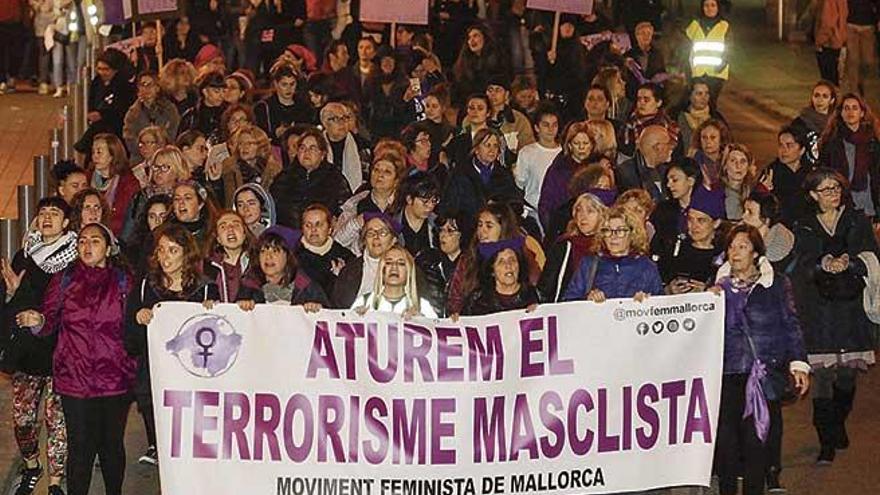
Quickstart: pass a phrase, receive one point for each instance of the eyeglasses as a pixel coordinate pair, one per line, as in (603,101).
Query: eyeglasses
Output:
(338,119)
(162,169)
(373,234)
(248,143)
(449,232)
(618,232)
(433,200)
(146,84)
(828,191)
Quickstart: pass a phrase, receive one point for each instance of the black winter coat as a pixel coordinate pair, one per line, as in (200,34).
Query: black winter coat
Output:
(295,188)
(830,306)
(465,193)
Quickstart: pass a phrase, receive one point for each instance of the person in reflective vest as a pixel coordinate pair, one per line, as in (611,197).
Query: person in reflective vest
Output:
(709,33)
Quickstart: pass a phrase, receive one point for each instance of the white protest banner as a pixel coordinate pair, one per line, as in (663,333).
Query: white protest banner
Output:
(582,7)
(575,398)
(395,11)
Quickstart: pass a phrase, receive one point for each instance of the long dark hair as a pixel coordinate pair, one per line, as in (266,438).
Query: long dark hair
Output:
(192,257)
(274,241)
(76,208)
(470,259)
(835,122)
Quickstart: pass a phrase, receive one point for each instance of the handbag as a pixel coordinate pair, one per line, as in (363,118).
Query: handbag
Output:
(778,385)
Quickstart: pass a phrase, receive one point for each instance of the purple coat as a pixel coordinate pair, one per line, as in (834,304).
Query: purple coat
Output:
(554,189)
(86,307)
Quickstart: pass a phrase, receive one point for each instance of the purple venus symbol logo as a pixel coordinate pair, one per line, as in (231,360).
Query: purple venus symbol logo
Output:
(206,345)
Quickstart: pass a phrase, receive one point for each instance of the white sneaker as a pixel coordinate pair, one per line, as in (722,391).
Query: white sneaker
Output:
(3,88)
(44,89)
(59,92)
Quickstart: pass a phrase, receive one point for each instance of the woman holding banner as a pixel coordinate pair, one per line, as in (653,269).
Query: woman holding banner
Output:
(395,288)
(172,276)
(504,279)
(622,269)
(762,347)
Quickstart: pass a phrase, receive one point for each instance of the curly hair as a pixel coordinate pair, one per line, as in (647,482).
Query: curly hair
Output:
(192,257)
(637,235)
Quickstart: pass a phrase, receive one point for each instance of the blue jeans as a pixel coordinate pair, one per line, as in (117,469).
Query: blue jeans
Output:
(73,55)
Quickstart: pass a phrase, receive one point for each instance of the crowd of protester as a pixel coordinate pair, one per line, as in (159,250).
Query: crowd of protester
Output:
(463,169)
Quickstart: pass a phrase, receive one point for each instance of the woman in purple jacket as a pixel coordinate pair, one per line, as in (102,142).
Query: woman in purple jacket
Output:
(85,306)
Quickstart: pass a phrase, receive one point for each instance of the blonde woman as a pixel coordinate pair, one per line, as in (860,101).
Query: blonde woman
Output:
(623,268)
(395,289)
(178,82)
(149,140)
(251,161)
(166,167)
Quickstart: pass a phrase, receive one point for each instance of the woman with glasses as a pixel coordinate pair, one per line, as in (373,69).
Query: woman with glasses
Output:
(149,140)
(833,249)
(386,174)
(151,109)
(235,116)
(251,162)
(395,289)
(358,276)
(622,268)
(439,264)
(419,196)
(309,179)
(165,168)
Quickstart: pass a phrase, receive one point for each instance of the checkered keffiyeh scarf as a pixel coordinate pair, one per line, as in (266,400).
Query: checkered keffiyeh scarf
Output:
(54,257)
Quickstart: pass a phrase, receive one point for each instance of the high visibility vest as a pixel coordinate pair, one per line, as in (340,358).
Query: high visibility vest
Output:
(708,53)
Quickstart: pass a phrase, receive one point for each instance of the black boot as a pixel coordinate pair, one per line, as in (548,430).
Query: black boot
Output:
(773,484)
(824,421)
(843,404)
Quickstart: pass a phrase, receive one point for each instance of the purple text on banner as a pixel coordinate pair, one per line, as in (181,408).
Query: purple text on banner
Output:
(582,7)
(400,11)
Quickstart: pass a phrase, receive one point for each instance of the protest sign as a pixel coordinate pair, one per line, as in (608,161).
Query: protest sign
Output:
(581,7)
(395,11)
(571,398)
(150,10)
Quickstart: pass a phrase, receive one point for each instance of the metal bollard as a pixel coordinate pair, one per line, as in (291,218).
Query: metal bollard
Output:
(84,87)
(66,134)
(27,206)
(10,240)
(75,116)
(42,177)
(56,145)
